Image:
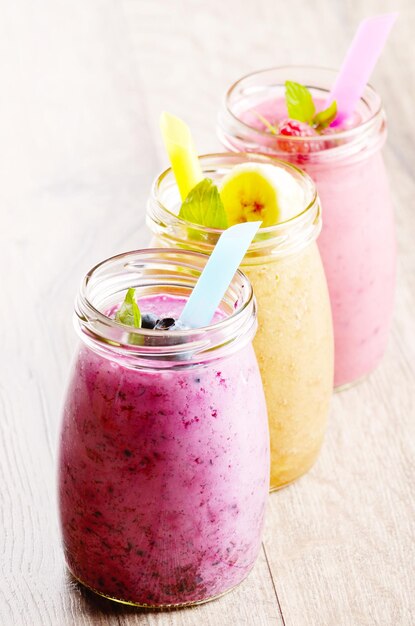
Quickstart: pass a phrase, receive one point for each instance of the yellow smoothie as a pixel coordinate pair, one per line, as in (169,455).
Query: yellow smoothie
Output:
(294,342)
(294,348)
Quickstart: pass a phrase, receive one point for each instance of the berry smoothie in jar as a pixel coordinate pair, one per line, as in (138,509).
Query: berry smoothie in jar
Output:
(294,342)
(357,243)
(164,447)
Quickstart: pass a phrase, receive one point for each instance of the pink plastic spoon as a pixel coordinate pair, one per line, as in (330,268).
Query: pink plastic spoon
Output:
(359,63)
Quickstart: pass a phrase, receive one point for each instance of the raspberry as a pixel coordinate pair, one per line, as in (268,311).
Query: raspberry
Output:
(293,128)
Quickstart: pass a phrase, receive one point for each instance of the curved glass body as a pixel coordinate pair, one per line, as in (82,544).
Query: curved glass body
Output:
(164,449)
(294,344)
(357,243)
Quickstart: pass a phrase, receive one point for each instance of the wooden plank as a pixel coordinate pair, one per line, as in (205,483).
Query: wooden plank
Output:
(79,164)
(340,541)
(84,84)
(73,177)
(254,600)
(342,538)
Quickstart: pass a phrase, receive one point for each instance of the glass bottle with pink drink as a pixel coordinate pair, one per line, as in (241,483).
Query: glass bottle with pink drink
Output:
(164,449)
(357,242)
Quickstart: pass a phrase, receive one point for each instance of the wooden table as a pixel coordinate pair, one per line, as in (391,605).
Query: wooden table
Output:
(83,83)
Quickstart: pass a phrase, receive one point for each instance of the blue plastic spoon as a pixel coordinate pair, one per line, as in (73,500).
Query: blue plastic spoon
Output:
(217,274)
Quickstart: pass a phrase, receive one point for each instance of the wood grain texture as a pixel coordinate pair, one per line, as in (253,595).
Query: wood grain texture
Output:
(83,86)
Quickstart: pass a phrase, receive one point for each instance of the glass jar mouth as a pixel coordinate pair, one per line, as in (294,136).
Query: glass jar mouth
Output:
(159,271)
(279,240)
(310,192)
(342,135)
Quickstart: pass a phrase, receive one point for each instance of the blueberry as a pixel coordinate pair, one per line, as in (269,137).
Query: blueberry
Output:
(166,323)
(148,320)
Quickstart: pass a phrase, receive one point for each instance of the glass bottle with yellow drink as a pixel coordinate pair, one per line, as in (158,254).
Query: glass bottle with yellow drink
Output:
(294,343)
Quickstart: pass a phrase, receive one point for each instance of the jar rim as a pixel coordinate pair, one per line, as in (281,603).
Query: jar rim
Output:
(246,157)
(148,343)
(344,134)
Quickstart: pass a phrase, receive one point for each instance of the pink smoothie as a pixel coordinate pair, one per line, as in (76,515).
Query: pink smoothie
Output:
(357,243)
(163,473)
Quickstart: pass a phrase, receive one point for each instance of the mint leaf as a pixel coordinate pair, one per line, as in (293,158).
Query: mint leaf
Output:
(129,313)
(324,118)
(299,101)
(204,206)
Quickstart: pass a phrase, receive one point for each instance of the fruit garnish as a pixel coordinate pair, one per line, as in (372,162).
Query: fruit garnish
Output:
(252,192)
(303,121)
(204,206)
(166,323)
(129,313)
(149,320)
(293,128)
(169,323)
(301,107)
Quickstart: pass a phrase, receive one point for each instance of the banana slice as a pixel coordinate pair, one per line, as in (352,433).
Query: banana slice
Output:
(260,191)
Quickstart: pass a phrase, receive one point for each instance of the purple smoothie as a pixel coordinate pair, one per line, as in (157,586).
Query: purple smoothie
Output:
(163,473)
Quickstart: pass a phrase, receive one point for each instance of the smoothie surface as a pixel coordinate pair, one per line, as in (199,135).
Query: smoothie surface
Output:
(164,305)
(274,111)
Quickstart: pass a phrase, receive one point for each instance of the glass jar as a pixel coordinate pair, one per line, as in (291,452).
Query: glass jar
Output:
(164,448)
(357,243)
(294,344)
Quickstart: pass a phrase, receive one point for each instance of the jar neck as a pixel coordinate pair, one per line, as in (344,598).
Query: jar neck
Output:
(238,133)
(160,272)
(281,240)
